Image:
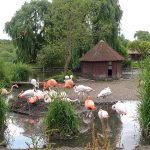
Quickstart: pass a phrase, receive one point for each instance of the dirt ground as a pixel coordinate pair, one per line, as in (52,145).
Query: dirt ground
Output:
(122,89)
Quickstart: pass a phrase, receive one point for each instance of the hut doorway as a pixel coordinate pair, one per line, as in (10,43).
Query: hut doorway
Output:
(109,69)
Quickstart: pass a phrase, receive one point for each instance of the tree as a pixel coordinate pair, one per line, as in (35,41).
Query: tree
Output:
(27,29)
(70,27)
(142,35)
(142,47)
(105,16)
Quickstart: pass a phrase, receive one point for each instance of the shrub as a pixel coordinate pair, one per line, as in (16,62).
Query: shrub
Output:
(20,72)
(3,111)
(61,116)
(144,95)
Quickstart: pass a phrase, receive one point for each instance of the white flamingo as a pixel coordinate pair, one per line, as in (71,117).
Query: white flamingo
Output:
(34,83)
(104,93)
(120,108)
(103,114)
(31,93)
(68,77)
(82,89)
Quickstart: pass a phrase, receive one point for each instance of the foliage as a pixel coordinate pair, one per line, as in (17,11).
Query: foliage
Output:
(4,78)
(70,28)
(142,35)
(51,56)
(3,111)
(135,64)
(20,72)
(142,47)
(7,51)
(144,95)
(101,141)
(61,116)
(105,16)
(126,63)
(60,32)
(27,29)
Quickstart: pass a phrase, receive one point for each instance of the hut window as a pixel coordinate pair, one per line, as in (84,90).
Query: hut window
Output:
(110,65)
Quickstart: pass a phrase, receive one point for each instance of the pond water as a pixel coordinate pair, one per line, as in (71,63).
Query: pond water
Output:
(22,130)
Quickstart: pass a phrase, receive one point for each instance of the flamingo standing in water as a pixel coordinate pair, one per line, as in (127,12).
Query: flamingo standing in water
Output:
(120,108)
(89,104)
(102,114)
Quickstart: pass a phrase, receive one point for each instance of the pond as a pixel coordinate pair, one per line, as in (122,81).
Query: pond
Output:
(22,130)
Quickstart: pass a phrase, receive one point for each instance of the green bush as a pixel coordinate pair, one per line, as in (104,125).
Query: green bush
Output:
(144,95)
(61,116)
(20,72)
(3,111)
(126,63)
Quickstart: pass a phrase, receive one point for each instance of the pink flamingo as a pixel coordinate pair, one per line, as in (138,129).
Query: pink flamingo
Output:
(89,104)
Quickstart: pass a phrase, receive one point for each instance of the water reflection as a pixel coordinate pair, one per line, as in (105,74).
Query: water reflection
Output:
(125,129)
(130,131)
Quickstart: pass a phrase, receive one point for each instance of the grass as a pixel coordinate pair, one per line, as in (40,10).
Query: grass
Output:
(144,95)
(62,117)
(3,111)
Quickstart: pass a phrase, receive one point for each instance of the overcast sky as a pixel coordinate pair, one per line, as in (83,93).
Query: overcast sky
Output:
(135,15)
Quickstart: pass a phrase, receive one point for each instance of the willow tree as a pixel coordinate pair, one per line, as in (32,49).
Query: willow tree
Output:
(27,29)
(70,27)
(105,16)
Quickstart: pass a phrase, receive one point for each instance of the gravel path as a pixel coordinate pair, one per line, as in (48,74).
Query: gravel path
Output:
(122,89)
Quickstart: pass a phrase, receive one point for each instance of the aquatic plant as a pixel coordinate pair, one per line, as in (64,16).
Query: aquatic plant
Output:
(61,116)
(144,95)
(3,111)
(101,141)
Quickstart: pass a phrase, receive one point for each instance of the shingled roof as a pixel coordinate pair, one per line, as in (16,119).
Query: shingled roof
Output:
(102,52)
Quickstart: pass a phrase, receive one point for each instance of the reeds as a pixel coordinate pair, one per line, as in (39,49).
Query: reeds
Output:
(61,116)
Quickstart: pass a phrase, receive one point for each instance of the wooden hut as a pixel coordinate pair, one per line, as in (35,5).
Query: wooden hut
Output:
(101,62)
(134,55)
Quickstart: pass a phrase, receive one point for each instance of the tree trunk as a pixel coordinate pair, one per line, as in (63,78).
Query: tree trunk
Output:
(66,66)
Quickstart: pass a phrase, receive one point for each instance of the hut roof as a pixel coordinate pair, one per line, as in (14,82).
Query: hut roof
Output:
(102,52)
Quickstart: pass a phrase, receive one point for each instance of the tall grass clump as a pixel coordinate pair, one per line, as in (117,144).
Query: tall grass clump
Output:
(3,111)
(20,72)
(144,95)
(61,117)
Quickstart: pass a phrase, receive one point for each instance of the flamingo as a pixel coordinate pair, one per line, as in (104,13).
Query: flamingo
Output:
(102,114)
(34,83)
(50,83)
(104,93)
(31,93)
(82,89)
(89,104)
(120,108)
(68,77)
(6,92)
(69,84)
